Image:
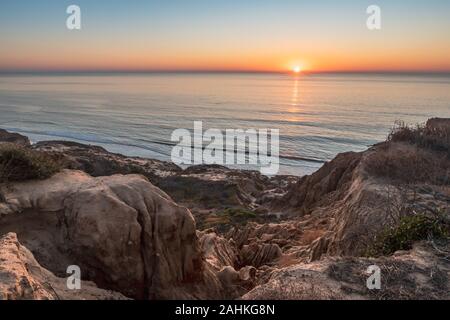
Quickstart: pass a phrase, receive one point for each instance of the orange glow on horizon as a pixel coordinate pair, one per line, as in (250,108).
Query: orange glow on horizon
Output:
(225,37)
(320,58)
(103,59)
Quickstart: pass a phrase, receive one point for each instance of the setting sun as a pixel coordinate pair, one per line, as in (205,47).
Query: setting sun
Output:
(297,69)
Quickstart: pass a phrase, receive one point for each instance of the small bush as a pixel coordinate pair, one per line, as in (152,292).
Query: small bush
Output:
(409,164)
(18,163)
(409,230)
(410,155)
(433,137)
(228,217)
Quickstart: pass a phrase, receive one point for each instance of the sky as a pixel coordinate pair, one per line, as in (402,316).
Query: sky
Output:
(213,35)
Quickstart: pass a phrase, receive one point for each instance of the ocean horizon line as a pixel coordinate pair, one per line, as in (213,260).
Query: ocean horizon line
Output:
(175,72)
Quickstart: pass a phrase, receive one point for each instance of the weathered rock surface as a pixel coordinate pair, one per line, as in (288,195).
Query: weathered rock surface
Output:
(124,233)
(16,282)
(330,181)
(346,205)
(16,138)
(257,255)
(418,274)
(338,211)
(97,162)
(218,251)
(224,258)
(129,236)
(22,278)
(204,189)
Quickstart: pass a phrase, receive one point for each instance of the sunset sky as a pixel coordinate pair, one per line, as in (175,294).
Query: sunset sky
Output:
(247,35)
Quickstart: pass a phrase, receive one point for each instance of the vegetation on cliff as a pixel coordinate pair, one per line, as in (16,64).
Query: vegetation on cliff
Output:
(414,159)
(409,230)
(18,163)
(419,154)
(390,203)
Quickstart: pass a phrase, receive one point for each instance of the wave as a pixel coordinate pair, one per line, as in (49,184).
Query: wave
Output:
(93,139)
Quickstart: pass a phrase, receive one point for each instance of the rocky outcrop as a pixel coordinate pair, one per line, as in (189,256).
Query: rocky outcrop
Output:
(204,189)
(348,204)
(418,274)
(124,233)
(341,208)
(16,138)
(223,256)
(438,125)
(218,251)
(258,255)
(325,185)
(22,278)
(97,162)
(129,236)
(16,282)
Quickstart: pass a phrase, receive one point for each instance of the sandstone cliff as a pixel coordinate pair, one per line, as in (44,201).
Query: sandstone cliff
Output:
(22,278)
(124,233)
(285,238)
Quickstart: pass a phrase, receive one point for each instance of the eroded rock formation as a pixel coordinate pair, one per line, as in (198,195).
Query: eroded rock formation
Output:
(22,278)
(418,274)
(124,233)
(201,188)
(129,236)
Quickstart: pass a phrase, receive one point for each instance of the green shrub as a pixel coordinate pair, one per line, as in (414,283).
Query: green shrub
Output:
(228,217)
(18,163)
(239,214)
(409,230)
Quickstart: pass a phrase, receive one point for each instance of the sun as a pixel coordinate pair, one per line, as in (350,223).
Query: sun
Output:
(297,69)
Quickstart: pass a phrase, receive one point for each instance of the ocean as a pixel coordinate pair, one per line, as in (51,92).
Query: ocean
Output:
(318,116)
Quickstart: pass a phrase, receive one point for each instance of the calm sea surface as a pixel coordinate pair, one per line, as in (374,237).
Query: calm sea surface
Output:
(318,115)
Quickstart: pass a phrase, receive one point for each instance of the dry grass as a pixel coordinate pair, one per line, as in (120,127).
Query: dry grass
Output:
(410,155)
(409,164)
(18,163)
(432,137)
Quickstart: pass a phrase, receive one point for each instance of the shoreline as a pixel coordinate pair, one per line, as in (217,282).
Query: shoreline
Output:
(136,116)
(210,232)
(302,166)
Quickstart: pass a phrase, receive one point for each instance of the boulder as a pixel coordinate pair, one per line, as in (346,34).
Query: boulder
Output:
(22,278)
(125,234)
(196,187)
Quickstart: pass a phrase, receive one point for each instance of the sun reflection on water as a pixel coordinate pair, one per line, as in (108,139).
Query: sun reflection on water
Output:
(294,106)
